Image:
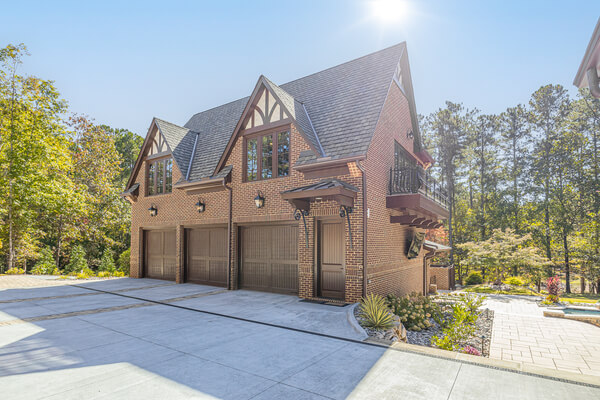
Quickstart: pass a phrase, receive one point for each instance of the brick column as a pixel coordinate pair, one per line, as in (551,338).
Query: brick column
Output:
(179,243)
(306,276)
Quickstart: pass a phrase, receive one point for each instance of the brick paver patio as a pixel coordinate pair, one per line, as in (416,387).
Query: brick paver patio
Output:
(521,333)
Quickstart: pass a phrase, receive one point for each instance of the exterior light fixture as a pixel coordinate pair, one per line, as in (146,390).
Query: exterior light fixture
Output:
(200,206)
(259,200)
(410,134)
(153,210)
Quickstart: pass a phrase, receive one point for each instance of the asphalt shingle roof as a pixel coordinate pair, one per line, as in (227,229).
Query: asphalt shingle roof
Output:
(181,142)
(337,110)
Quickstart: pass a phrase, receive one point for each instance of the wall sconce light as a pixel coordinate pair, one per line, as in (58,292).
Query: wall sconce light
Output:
(410,134)
(200,206)
(259,200)
(153,210)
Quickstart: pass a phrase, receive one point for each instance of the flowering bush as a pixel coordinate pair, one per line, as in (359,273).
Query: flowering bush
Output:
(414,310)
(553,286)
(471,350)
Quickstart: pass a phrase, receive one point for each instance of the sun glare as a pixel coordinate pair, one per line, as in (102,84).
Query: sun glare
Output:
(390,11)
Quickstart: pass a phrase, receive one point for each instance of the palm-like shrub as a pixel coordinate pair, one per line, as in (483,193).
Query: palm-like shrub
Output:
(375,313)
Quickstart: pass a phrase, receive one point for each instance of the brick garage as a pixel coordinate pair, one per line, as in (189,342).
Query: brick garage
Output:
(334,134)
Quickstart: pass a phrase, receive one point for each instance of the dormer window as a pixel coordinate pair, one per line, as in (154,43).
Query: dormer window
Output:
(268,156)
(160,177)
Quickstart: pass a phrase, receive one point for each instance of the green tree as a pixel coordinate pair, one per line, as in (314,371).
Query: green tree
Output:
(77,260)
(107,263)
(31,145)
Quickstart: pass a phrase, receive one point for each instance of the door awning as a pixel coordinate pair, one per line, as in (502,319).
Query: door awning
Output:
(340,191)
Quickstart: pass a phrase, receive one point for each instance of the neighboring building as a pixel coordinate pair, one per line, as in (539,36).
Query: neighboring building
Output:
(587,74)
(330,158)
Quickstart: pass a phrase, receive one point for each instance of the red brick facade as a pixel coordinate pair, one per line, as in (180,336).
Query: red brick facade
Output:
(389,271)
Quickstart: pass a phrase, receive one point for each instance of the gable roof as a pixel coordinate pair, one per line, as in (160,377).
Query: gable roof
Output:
(336,109)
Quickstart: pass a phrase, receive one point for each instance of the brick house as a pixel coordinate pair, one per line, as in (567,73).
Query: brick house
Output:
(277,191)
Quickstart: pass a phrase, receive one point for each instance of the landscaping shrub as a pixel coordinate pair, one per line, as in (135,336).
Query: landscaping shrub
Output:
(45,264)
(553,287)
(107,262)
(515,281)
(103,274)
(474,278)
(375,313)
(465,311)
(77,262)
(124,261)
(413,310)
(15,271)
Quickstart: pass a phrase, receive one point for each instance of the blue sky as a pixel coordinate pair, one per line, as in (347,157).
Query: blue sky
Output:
(124,62)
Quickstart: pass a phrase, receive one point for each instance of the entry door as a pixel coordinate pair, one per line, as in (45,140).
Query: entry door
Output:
(331,260)
(161,254)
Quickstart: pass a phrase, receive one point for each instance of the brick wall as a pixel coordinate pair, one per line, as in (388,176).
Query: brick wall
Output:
(440,273)
(177,210)
(389,270)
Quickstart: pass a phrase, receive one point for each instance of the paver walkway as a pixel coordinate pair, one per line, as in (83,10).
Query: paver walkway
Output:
(522,333)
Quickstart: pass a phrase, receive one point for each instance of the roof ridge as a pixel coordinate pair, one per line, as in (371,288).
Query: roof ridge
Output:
(347,62)
(302,77)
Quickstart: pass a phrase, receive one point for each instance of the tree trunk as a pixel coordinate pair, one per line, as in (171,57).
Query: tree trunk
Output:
(582,284)
(567,266)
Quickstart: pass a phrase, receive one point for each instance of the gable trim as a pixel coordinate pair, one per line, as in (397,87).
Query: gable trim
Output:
(314,131)
(140,157)
(262,81)
(187,174)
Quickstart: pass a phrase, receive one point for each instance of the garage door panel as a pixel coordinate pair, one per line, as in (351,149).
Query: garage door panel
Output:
(218,271)
(207,256)
(161,250)
(269,258)
(285,277)
(198,270)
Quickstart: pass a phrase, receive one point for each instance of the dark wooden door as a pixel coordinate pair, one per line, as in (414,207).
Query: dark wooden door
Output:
(332,279)
(269,258)
(206,256)
(161,254)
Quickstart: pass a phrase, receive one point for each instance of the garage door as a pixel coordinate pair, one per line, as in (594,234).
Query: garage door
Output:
(269,258)
(161,254)
(207,256)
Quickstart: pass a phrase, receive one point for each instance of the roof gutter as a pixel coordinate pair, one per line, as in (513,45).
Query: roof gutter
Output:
(320,164)
(364,214)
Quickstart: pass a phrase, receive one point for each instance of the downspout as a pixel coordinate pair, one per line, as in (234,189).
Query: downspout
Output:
(229,235)
(430,254)
(364,194)
(592,76)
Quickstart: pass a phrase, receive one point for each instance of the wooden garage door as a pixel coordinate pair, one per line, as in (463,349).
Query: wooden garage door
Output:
(161,254)
(269,258)
(207,256)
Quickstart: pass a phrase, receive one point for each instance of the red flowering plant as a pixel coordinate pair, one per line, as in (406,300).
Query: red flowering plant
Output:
(553,285)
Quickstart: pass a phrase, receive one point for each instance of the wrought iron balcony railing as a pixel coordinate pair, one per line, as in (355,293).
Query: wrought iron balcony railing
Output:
(405,180)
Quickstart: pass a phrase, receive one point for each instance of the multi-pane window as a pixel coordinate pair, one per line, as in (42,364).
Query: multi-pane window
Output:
(160,177)
(268,156)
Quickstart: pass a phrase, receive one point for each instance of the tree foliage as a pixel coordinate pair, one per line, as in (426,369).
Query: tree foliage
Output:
(60,175)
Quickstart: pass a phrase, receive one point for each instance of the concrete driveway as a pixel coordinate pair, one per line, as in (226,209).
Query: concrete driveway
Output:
(70,343)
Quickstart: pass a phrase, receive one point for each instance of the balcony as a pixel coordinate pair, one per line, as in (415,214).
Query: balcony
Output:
(412,189)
